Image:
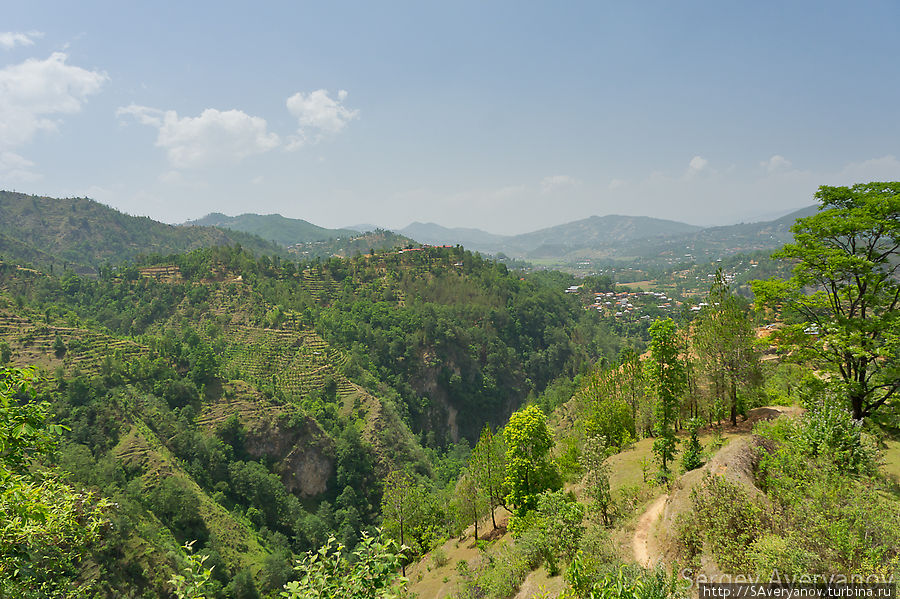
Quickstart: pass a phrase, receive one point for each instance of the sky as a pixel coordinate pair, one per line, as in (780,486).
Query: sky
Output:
(505,116)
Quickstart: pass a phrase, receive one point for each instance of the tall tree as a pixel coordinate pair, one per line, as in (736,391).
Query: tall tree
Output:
(633,379)
(528,467)
(471,503)
(723,336)
(845,291)
(596,475)
(665,372)
(400,505)
(487,468)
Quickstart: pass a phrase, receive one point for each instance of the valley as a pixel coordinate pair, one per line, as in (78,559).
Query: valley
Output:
(467,428)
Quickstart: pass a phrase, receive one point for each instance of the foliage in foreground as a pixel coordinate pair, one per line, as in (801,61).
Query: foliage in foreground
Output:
(46,526)
(622,583)
(370,573)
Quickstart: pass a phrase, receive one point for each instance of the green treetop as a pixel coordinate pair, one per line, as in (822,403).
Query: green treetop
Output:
(844,292)
(528,468)
(666,374)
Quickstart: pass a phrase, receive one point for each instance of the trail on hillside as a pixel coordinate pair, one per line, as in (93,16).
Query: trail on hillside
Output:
(735,454)
(642,532)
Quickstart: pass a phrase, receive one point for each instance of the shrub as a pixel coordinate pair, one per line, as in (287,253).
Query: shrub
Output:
(692,458)
(730,519)
(829,430)
(439,557)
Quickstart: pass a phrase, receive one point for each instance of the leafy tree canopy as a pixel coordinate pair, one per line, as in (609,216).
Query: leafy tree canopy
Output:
(844,291)
(528,468)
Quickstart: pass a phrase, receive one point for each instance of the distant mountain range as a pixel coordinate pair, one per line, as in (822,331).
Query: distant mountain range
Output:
(617,237)
(597,237)
(82,234)
(714,242)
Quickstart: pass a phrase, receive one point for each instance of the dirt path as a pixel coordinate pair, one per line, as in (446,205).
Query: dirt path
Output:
(733,458)
(642,532)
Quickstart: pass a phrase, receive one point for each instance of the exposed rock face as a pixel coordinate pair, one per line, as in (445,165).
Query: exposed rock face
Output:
(303,453)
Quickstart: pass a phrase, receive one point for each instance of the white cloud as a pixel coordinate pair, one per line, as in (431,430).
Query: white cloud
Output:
(32,96)
(555,182)
(697,165)
(617,183)
(16,168)
(885,168)
(11,39)
(35,90)
(318,115)
(776,163)
(214,137)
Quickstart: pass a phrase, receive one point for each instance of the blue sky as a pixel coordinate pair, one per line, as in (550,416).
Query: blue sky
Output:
(505,116)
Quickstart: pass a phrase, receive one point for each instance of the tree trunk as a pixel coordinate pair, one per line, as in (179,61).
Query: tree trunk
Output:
(403,562)
(856,404)
(733,403)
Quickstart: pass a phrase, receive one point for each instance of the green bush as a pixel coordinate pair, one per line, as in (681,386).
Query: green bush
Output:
(830,518)
(625,582)
(730,519)
(692,458)
(439,557)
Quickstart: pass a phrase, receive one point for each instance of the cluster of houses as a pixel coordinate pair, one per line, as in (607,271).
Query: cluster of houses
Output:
(632,304)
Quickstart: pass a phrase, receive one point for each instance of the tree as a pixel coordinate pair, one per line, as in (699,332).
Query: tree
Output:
(692,458)
(560,520)
(471,503)
(845,291)
(665,372)
(723,336)
(632,372)
(596,476)
(400,504)
(488,469)
(528,468)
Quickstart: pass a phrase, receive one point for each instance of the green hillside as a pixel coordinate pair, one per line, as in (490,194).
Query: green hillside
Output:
(82,234)
(274,227)
(378,240)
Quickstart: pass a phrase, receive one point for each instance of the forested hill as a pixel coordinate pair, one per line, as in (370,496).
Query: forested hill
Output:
(257,404)
(82,234)
(279,229)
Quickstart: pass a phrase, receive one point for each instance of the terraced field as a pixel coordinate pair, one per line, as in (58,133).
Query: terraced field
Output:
(85,350)
(320,288)
(294,362)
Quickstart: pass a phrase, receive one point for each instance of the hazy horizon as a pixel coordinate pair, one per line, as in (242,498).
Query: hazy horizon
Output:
(502,117)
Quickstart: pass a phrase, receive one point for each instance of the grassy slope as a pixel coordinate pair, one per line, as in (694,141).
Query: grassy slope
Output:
(628,488)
